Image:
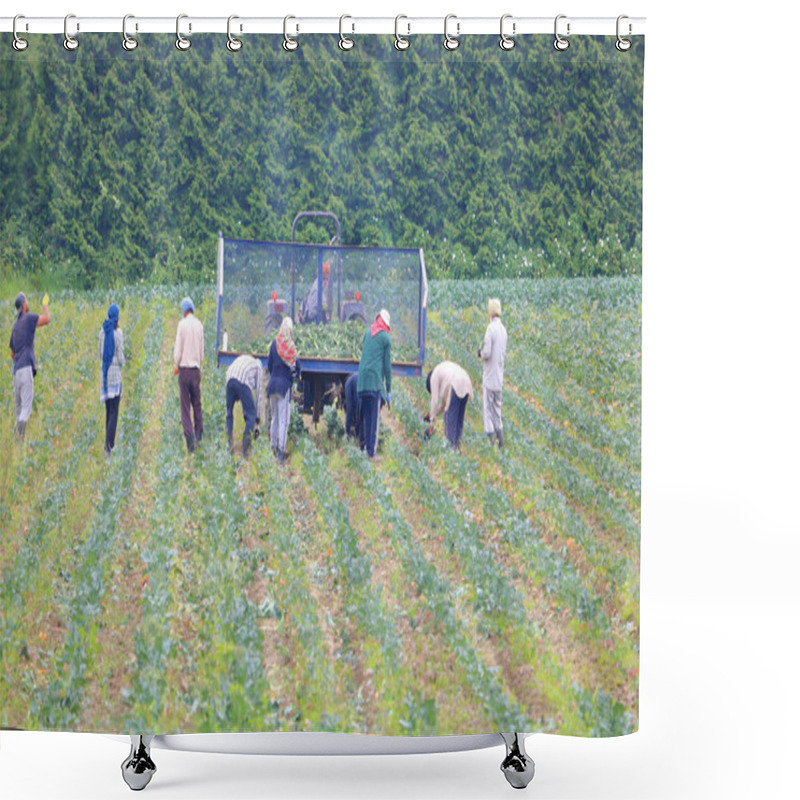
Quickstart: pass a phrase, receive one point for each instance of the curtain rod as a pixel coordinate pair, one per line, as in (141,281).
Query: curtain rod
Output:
(403,25)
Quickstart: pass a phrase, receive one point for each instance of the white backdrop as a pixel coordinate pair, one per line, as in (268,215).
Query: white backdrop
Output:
(720,702)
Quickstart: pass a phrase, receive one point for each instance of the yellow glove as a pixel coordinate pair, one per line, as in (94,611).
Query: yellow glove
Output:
(46,300)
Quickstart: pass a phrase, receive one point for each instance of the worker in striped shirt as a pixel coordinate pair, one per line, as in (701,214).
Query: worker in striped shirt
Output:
(243,385)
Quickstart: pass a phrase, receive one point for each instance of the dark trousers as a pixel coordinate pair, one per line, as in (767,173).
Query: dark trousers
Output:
(370,408)
(353,422)
(112,414)
(237,391)
(191,403)
(454,419)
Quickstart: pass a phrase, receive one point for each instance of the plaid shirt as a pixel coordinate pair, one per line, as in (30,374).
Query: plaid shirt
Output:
(246,370)
(114,381)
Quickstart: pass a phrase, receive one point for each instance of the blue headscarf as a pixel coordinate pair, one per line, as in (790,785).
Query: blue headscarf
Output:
(108,344)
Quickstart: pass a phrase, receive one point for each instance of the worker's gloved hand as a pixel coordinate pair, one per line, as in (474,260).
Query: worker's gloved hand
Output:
(480,352)
(256,432)
(175,371)
(46,299)
(426,418)
(389,400)
(428,433)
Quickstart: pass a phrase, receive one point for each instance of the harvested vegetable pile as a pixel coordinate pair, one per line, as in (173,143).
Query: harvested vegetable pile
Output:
(337,340)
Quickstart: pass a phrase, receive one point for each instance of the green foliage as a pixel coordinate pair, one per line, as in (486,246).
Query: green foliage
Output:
(120,167)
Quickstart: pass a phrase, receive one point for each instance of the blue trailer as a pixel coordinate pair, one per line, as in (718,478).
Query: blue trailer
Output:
(259,282)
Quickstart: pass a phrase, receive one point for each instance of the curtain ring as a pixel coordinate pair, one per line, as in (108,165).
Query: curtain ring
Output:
(181,42)
(289,44)
(19,44)
(233,44)
(623,44)
(451,42)
(507,42)
(70,42)
(345,42)
(560,42)
(128,42)
(401,42)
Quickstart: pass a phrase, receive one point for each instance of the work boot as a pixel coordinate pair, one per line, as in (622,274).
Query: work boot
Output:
(20,430)
(499,435)
(190,443)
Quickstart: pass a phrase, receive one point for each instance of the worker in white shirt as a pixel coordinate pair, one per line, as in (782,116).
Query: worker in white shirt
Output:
(493,356)
(188,358)
(450,388)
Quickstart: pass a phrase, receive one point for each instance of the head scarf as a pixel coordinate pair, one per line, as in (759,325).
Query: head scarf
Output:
(108,341)
(187,305)
(382,323)
(285,343)
(494,307)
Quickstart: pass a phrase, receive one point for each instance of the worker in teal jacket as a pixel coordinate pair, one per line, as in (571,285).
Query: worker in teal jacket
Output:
(375,372)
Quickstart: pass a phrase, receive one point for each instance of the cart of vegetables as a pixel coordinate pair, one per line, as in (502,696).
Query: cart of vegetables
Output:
(249,273)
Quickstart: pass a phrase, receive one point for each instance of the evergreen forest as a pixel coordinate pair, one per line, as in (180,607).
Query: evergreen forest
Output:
(119,167)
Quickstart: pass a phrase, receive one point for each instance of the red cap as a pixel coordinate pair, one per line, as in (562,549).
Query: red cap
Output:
(274,295)
(358,295)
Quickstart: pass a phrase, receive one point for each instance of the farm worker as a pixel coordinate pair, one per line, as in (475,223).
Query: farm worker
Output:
(112,359)
(188,359)
(21,343)
(243,385)
(493,356)
(353,422)
(450,388)
(282,366)
(375,372)
(311,303)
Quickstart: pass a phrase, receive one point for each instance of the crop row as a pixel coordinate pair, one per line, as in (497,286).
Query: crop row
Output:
(58,704)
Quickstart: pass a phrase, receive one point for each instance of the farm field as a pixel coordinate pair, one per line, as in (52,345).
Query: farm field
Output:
(429,592)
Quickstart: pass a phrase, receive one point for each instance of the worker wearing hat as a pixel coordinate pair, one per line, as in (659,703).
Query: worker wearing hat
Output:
(21,345)
(112,359)
(188,357)
(318,302)
(493,356)
(375,374)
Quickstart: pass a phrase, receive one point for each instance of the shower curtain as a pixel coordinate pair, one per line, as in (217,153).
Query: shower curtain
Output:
(452,547)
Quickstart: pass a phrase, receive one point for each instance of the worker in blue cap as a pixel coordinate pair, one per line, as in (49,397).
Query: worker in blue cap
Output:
(188,357)
(112,359)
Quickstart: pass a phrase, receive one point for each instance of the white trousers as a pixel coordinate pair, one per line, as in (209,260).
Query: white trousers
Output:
(492,410)
(23,393)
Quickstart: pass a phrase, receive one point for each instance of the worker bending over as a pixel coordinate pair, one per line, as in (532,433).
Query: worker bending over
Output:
(243,385)
(450,388)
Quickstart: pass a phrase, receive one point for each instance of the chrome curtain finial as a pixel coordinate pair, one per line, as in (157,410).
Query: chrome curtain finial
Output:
(181,42)
(233,44)
(401,42)
(507,42)
(290,44)
(128,42)
(345,42)
(70,42)
(19,44)
(451,42)
(560,42)
(621,44)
